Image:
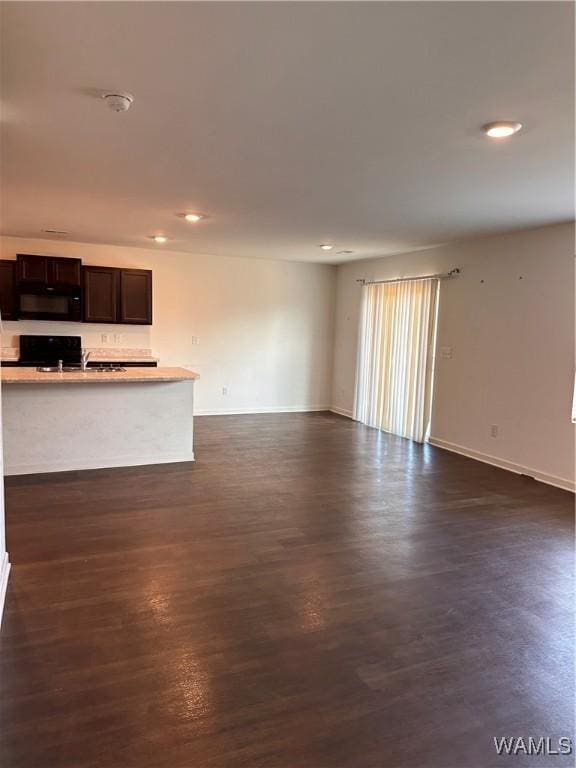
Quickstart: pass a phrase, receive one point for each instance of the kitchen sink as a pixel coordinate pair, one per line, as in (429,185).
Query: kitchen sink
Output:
(51,369)
(76,369)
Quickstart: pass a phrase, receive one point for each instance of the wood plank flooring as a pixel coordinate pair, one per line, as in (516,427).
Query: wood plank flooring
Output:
(310,594)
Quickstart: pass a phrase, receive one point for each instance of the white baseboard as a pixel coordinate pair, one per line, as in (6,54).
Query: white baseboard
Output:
(104,463)
(519,469)
(342,411)
(265,409)
(4,571)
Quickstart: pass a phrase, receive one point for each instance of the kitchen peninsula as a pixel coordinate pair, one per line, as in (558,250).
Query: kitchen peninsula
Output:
(71,420)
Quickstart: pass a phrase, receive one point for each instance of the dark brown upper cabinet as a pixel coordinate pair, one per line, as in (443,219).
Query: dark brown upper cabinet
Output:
(8,301)
(32,269)
(136,296)
(101,294)
(47,270)
(64,271)
(113,295)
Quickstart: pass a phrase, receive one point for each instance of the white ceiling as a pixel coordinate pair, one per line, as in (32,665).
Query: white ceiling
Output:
(291,124)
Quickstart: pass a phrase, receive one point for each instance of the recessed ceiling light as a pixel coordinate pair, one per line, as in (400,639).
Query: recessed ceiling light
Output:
(501,129)
(193,217)
(326,247)
(159,238)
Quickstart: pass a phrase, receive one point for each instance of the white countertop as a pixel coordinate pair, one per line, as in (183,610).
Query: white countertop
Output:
(11,375)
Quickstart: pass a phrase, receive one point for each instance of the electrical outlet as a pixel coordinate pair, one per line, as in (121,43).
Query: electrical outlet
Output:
(224,390)
(117,338)
(446,353)
(104,338)
(195,340)
(494,430)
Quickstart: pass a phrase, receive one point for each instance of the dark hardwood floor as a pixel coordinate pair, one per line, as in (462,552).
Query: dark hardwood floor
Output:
(310,594)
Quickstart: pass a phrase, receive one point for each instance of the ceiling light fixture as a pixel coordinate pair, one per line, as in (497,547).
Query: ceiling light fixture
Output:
(159,238)
(501,129)
(326,247)
(193,217)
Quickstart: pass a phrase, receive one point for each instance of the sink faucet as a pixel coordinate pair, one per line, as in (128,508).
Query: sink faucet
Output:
(84,359)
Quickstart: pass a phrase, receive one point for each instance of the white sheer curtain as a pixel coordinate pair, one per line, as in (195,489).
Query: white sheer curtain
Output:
(395,356)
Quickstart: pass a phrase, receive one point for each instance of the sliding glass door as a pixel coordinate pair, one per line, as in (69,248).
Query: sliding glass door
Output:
(395,358)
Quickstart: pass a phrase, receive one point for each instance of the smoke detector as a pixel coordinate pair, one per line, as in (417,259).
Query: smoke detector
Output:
(118,101)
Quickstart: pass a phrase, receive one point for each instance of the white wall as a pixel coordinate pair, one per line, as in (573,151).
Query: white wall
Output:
(512,340)
(265,327)
(4,561)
